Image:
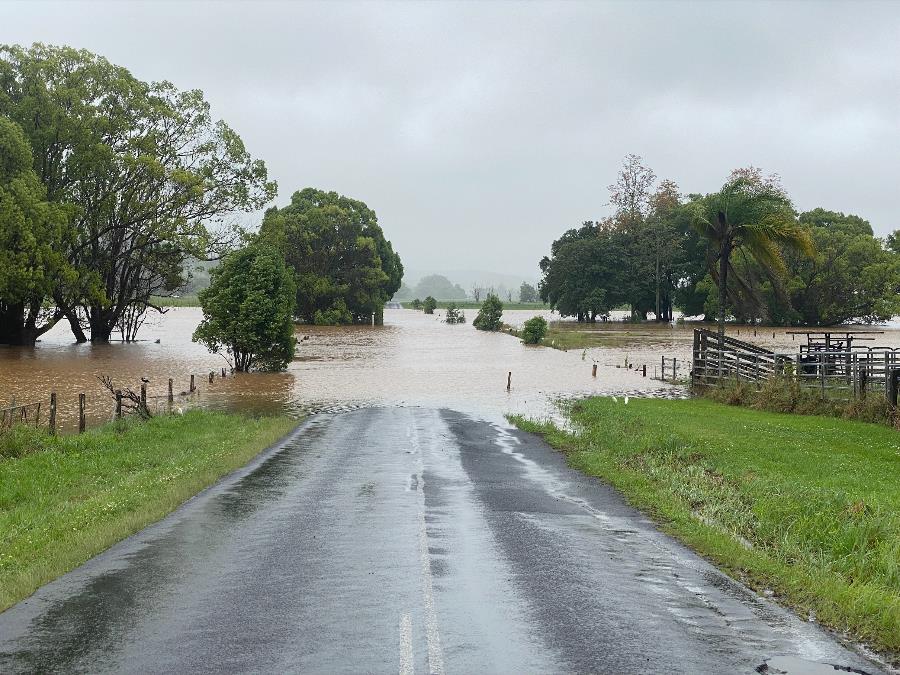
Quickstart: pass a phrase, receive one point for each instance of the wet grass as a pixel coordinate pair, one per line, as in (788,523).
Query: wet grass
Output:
(806,506)
(65,499)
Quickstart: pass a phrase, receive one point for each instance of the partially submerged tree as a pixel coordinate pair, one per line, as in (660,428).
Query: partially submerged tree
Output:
(147,167)
(429,305)
(454,314)
(33,235)
(248,309)
(751,214)
(345,269)
(490,315)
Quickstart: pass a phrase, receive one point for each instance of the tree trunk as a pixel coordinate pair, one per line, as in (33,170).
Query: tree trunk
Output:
(75,325)
(725,254)
(15,328)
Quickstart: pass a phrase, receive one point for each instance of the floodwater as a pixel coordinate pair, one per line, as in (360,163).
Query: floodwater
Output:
(414,359)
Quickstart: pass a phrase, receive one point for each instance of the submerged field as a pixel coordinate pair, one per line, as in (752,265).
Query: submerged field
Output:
(804,507)
(65,499)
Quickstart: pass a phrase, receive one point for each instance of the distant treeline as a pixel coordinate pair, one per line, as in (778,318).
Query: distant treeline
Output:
(742,252)
(441,288)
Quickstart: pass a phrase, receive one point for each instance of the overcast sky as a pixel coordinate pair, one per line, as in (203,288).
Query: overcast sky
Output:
(481,131)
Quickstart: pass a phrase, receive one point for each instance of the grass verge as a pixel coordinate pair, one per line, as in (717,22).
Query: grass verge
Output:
(181,301)
(64,499)
(806,506)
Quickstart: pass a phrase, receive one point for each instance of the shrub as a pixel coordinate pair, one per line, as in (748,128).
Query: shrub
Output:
(454,314)
(417,304)
(429,305)
(534,330)
(490,314)
(248,309)
(336,315)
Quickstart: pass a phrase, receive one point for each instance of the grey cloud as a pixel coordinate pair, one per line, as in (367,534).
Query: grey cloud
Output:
(480,131)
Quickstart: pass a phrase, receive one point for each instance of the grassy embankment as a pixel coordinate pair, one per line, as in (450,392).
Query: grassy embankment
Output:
(65,499)
(806,506)
(182,301)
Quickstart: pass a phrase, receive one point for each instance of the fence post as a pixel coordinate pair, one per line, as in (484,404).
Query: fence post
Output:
(118,404)
(662,366)
(223,372)
(509,381)
(211,376)
(143,396)
(193,386)
(863,376)
(594,370)
(81,413)
(674,368)
(171,395)
(52,413)
(644,370)
(893,377)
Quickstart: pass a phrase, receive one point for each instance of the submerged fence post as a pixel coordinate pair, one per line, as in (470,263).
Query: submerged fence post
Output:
(211,376)
(81,413)
(509,381)
(171,395)
(118,404)
(193,386)
(594,370)
(674,368)
(644,370)
(52,413)
(143,395)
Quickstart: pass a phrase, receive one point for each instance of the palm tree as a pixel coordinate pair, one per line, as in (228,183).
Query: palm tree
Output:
(751,213)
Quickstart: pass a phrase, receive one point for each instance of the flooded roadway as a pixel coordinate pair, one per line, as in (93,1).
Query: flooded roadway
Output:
(412,359)
(405,540)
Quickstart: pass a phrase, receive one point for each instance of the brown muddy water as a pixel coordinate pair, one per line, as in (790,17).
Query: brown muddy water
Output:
(413,359)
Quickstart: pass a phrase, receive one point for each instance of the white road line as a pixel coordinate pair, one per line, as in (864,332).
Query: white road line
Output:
(407,665)
(433,637)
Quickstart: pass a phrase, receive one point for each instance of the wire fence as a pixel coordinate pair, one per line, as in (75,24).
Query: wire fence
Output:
(121,403)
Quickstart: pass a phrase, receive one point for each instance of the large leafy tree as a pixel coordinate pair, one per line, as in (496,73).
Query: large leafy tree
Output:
(751,215)
(851,277)
(345,268)
(248,309)
(33,234)
(152,175)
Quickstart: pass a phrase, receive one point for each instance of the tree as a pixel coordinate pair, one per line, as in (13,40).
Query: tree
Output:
(454,314)
(439,287)
(345,269)
(248,309)
(429,305)
(477,292)
(33,235)
(150,172)
(489,317)
(850,278)
(751,214)
(534,330)
(417,304)
(527,293)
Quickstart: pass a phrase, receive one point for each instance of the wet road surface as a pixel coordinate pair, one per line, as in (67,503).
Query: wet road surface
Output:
(405,540)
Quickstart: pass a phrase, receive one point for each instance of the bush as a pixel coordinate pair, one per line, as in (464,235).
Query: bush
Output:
(489,317)
(534,330)
(336,315)
(454,314)
(417,304)
(248,309)
(429,305)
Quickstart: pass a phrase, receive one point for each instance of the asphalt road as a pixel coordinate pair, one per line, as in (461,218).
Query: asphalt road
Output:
(406,540)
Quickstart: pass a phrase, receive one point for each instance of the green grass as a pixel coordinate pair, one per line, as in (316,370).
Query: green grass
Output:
(182,301)
(65,499)
(806,506)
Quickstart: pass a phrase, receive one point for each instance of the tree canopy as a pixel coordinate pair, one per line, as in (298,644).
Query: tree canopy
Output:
(661,248)
(150,174)
(439,287)
(248,309)
(345,268)
(490,315)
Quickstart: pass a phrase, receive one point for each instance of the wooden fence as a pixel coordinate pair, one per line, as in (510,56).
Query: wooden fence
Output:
(29,414)
(836,373)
